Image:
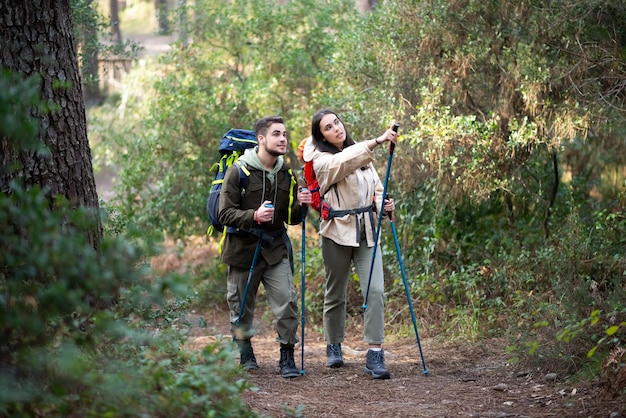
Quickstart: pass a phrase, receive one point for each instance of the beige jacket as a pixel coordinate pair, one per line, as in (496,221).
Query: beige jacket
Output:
(358,184)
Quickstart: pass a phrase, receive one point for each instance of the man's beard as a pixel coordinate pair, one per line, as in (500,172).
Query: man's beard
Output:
(273,152)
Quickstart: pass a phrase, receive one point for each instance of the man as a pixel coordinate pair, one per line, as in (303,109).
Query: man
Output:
(259,214)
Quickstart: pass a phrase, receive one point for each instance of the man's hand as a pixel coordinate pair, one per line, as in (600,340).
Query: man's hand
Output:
(265,212)
(304,196)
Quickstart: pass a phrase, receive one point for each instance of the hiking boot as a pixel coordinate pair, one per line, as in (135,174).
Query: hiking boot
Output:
(246,355)
(375,365)
(334,358)
(287,364)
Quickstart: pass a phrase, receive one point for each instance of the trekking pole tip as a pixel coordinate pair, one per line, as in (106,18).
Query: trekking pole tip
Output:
(426,372)
(364,306)
(302,372)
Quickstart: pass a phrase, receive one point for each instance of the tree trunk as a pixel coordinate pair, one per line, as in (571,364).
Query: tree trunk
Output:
(90,48)
(115,22)
(183,22)
(552,198)
(161,14)
(37,38)
(367,5)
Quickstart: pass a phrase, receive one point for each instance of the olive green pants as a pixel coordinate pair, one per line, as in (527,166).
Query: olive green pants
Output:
(281,295)
(337,262)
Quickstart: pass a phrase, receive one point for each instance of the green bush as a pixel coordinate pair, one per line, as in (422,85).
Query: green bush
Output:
(92,332)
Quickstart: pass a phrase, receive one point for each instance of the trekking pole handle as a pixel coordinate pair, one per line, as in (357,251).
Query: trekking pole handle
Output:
(392,145)
(305,207)
(390,212)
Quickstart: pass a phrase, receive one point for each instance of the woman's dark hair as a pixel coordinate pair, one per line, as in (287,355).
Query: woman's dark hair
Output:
(318,137)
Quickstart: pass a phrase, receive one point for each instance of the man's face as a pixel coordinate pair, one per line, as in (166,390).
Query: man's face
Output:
(275,141)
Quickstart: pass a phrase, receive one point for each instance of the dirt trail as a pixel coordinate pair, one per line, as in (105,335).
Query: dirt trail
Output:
(462,381)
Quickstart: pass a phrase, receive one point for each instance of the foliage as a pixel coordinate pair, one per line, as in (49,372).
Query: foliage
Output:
(501,157)
(509,175)
(94,38)
(17,97)
(249,58)
(86,332)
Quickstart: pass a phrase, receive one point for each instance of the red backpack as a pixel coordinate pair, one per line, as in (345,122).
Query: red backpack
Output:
(309,176)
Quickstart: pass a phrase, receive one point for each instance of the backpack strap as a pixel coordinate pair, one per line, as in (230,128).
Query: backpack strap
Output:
(332,186)
(292,183)
(222,165)
(327,212)
(244,175)
(333,213)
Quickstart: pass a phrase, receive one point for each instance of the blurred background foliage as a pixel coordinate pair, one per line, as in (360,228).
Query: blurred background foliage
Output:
(509,174)
(509,180)
(510,170)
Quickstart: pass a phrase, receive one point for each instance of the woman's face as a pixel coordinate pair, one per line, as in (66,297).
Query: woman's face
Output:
(333,130)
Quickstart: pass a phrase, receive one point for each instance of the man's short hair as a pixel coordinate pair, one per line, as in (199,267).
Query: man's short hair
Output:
(263,124)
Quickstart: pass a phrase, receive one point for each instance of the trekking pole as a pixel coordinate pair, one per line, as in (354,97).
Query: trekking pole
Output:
(257,250)
(406,289)
(303,288)
(392,147)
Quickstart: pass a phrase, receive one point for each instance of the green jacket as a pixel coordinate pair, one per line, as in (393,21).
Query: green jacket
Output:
(237,210)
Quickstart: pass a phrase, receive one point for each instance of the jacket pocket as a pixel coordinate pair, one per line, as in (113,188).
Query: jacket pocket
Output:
(254,196)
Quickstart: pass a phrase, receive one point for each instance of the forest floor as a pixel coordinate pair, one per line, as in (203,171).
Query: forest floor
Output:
(462,379)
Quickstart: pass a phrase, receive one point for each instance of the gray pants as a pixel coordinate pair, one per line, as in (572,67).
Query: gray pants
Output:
(281,295)
(337,262)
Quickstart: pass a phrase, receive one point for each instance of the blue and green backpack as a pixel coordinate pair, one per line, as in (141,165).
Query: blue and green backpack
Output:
(232,146)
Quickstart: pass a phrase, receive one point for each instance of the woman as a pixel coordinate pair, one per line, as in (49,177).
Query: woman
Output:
(351,193)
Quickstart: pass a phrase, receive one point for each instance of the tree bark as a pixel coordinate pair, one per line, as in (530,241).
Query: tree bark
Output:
(161,14)
(37,38)
(367,5)
(90,52)
(116,31)
(183,22)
